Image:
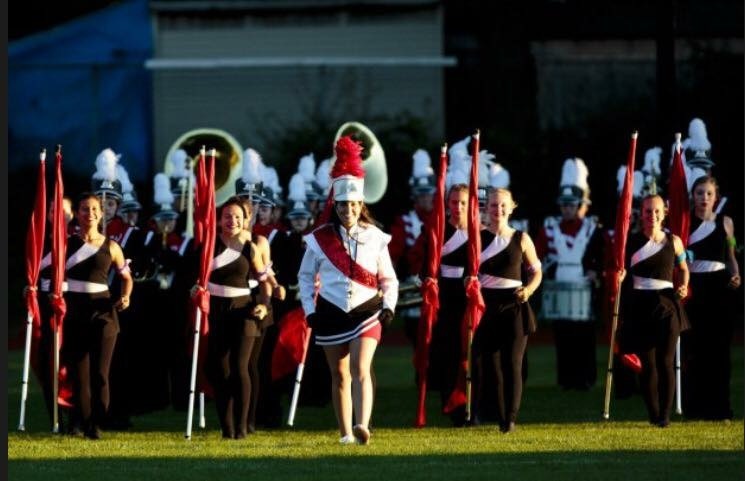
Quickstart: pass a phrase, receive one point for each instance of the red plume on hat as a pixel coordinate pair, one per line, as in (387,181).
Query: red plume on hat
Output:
(348,158)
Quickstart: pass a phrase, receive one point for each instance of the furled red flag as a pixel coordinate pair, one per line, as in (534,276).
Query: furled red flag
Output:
(679,217)
(623,215)
(207,218)
(292,344)
(59,248)
(474,301)
(35,245)
(620,235)
(434,236)
(200,198)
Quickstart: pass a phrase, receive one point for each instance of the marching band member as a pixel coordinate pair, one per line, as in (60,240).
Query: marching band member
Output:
(91,323)
(235,318)
(182,178)
(445,350)
(159,329)
(714,274)
(316,377)
(502,334)
(652,317)
(108,183)
(405,252)
(571,249)
(350,256)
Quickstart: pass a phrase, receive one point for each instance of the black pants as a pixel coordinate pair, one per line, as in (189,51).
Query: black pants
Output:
(576,364)
(232,343)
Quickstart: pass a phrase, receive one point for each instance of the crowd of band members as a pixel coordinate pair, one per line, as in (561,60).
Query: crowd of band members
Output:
(129,355)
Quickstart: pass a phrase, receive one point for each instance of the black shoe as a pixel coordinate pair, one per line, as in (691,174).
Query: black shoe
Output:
(75,430)
(663,423)
(508,427)
(93,432)
(241,435)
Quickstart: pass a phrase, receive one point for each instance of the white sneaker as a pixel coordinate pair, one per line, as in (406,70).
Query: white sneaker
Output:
(348,439)
(361,433)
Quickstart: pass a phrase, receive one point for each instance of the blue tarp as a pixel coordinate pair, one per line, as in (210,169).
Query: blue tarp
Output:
(84,85)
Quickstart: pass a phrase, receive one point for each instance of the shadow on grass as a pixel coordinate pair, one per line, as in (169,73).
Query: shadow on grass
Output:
(621,465)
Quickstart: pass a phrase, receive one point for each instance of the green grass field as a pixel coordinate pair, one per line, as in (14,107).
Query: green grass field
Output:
(560,436)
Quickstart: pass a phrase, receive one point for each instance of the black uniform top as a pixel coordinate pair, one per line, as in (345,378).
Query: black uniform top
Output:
(235,273)
(458,257)
(93,269)
(713,247)
(657,266)
(508,262)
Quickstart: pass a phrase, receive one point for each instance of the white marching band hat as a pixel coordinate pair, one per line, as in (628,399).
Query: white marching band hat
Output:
(104,181)
(422,180)
(347,173)
(163,198)
(573,187)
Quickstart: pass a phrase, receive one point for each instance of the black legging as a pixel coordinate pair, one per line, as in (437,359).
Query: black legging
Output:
(89,372)
(507,377)
(658,377)
(232,377)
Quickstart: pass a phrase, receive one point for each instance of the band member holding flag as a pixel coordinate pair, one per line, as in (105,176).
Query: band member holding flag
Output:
(652,315)
(235,318)
(91,324)
(502,334)
(350,257)
(714,274)
(445,350)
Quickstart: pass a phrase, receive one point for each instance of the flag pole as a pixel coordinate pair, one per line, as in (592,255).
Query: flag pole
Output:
(193,379)
(678,387)
(40,194)
(55,373)
(621,232)
(24,378)
(298,379)
(469,345)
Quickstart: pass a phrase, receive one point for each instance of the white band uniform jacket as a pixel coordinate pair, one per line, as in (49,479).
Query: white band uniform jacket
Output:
(368,246)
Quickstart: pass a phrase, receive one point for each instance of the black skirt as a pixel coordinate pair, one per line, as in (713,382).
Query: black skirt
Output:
(334,326)
(648,316)
(504,319)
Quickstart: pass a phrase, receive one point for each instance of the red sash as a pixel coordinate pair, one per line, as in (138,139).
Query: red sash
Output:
(332,246)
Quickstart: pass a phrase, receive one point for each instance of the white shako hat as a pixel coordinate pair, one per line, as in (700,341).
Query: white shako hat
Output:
(250,182)
(486,161)
(651,171)
(163,198)
(307,169)
(422,180)
(104,181)
(459,167)
(499,177)
(697,148)
(638,183)
(297,198)
(347,173)
(573,186)
(181,172)
(323,177)
(129,196)
(271,180)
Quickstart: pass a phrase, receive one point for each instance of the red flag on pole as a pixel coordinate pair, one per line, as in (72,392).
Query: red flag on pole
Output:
(623,215)
(434,236)
(292,344)
(679,215)
(620,235)
(474,301)
(35,244)
(59,249)
(207,219)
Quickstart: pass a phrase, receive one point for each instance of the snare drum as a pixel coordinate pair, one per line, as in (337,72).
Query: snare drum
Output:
(566,300)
